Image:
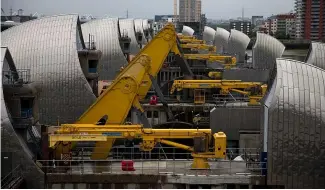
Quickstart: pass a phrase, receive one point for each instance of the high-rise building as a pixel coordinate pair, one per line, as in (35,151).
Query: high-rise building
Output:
(310,19)
(243,26)
(190,10)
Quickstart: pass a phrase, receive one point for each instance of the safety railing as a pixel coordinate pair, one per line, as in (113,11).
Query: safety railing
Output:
(11,179)
(8,77)
(154,167)
(217,99)
(83,151)
(162,160)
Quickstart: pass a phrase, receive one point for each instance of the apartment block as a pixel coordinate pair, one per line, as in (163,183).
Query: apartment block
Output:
(243,26)
(190,10)
(310,23)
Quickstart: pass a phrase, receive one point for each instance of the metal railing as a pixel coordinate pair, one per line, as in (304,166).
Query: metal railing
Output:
(12,178)
(9,79)
(160,162)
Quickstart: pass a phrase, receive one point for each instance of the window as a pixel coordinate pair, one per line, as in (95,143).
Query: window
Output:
(149,114)
(155,114)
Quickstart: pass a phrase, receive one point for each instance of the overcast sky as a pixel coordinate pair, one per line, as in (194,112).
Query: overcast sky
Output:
(214,9)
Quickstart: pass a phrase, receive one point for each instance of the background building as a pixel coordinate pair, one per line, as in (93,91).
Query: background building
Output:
(285,25)
(310,19)
(243,26)
(159,18)
(271,25)
(257,20)
(190,10)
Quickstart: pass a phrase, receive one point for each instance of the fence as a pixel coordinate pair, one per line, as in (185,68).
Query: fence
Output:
(162,160)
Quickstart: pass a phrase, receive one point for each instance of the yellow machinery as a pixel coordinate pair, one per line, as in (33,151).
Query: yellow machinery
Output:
(215,74)
(180,36)
(108,112)
(195,47)
(150,137)
(191,41)
(254,90)
(228,61)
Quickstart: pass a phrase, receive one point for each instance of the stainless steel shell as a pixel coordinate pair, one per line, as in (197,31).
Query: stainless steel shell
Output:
(106,34)
(296,126)
(12,142)
(146,27)
(139,28)
(208,35)
(221,40)
(49,48)
(316,54)
(266,50)
(237,44)
(187,31)
(127,28)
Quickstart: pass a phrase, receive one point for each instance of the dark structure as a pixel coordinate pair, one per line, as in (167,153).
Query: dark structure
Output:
(159,18)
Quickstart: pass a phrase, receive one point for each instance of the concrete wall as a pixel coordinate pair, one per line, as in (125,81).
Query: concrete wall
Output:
(231,120)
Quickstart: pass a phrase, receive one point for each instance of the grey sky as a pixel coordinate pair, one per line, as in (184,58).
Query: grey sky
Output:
(214,9)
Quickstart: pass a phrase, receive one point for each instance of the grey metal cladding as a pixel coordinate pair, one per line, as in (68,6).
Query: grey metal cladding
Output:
(237,44)
(246,75)
(146,26)
(127,26)
(265,51)
(221,40)
(139,28)
(232,120)
(106,34)
(12,141)
(48,47)
(296,126)
(208,35)
(316,54)
(187,31)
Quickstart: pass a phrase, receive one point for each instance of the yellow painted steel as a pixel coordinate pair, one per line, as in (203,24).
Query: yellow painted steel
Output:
(180,36)
(191,41)
(226,86)
(104,133)
(227,61)
(210,48)
(215,75)
(131,85)
(114,104)
(157,49)
(178,145)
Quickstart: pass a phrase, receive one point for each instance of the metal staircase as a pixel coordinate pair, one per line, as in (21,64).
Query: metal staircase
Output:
(13,180)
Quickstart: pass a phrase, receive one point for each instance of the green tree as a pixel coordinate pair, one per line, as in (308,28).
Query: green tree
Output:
(280,35)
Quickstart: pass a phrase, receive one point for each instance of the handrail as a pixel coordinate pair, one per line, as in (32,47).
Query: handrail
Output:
(14,174)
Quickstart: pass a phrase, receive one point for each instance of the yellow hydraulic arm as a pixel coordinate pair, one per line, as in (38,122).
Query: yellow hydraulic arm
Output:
(131,85)
(228,61)
(191,41)
(180,36)
(210,48)
(255,90)
(149,137)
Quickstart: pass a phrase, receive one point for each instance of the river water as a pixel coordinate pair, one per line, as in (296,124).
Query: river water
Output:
(295,54)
